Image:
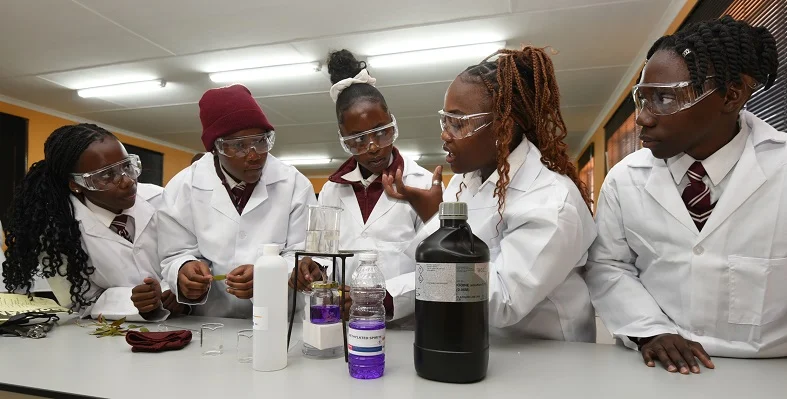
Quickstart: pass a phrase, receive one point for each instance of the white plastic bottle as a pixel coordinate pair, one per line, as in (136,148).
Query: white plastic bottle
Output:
(270,310)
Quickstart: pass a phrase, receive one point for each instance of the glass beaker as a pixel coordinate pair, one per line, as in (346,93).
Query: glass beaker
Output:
(211,339)
(322,229)
(324,303)
(245,346)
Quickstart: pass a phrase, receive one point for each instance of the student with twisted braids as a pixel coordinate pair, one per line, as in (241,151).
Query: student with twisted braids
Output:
(80,219)
(503,131)
(691,259)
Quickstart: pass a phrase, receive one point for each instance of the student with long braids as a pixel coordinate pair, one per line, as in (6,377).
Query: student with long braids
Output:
(81,220)
(503,132)
(691,259)
(367,131)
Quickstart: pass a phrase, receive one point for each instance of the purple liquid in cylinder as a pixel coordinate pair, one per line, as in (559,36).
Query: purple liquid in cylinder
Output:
(325,314)
(367,367)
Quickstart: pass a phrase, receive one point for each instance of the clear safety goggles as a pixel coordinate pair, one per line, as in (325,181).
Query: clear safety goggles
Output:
(462,126)
(361,143)
(110,176)
(670,98)
(239,147)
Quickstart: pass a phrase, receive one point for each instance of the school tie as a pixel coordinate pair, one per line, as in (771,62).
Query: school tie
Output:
(123,225)
(696,195)
(237,196)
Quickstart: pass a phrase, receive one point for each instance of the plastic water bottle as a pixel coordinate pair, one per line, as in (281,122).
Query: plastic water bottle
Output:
(366,332)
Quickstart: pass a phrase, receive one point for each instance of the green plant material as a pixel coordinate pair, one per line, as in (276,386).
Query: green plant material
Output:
(113,329)
(220,277)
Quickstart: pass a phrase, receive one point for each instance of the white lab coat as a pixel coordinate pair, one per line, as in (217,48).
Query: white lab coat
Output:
(652,272)
(119,265)
(199,221)
(537,252)
(389,230)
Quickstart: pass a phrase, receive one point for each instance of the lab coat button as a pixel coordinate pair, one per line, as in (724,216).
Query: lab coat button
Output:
(698,250)
(242,235)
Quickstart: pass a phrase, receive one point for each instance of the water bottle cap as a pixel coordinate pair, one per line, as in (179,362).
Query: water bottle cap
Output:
(270,250)
(368,257)
(453,210)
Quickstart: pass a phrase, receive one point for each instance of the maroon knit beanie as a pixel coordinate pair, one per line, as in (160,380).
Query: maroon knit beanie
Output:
(227,110)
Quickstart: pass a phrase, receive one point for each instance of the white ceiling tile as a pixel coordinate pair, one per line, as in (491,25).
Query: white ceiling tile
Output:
(588,86)
(49,95)
(152,121)
(306,108)
(41,36)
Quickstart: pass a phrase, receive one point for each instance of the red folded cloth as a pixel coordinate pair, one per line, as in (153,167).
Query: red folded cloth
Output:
(157,341)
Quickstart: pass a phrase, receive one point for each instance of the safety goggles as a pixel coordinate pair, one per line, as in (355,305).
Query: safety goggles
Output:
(240,147)
(361,143)
(463,126)
(670,98)
(110,176)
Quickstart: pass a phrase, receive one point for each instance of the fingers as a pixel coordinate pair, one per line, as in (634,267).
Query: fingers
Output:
(141,289)
(400,182)
(647,356)
(203,271)
(144,296)
(168,299)
(438,176)
(390,190)
(677,359)
(665,360)
(307,267)
(700,353)
(688,356)
(241,274)
(147,308)
(241,293)
(148,280)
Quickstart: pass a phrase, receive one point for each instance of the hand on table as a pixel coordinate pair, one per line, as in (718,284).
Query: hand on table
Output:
(675,353)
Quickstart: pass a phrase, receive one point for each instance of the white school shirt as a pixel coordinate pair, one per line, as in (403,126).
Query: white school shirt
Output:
(652,272)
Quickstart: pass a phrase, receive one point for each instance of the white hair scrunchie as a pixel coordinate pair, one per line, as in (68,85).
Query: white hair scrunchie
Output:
(361,77)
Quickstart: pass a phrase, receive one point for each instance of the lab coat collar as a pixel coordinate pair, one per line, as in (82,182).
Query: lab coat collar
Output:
(142,212)
(205,178)
(747,177)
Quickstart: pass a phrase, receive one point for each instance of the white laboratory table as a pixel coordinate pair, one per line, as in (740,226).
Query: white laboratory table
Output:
(72,363)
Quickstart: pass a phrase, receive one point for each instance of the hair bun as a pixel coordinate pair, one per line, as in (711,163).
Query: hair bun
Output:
(342,65)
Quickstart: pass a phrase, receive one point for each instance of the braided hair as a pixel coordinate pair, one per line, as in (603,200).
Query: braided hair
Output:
(342,65)
(42,226)
(526,101)
(732,48)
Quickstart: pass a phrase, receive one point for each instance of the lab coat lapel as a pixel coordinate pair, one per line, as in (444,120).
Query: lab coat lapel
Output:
(350,203)
(273,172)
(746,178)
(661,187)
(383,206)
(142,212)
(93,227)
(220,200)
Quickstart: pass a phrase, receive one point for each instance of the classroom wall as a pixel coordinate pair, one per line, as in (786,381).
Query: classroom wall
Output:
(41,125)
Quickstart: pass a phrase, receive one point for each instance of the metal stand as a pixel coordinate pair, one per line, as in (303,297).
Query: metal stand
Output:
(343,255)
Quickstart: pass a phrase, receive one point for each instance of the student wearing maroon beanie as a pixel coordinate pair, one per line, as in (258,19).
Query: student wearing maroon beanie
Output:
(220,211)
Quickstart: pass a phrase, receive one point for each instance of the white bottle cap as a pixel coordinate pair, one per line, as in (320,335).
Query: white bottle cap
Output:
(270,250)
(368,257)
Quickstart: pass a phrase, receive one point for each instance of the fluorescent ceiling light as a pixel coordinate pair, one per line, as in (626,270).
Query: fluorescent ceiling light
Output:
(122,89)
(265,73)
(306,161)
(412,155)
(472,51)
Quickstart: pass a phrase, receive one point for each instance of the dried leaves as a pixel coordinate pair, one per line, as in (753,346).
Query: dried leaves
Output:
(113,329)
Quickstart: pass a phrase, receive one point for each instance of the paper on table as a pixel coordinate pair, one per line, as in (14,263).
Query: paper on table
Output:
(12,304)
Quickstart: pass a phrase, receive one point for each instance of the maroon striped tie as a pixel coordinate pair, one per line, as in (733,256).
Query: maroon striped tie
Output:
(696,196)
(123,225)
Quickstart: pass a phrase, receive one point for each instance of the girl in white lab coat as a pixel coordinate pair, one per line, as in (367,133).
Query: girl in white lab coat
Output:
(691,259)
(370,219)
(221,211)
(82,216)
(504,134)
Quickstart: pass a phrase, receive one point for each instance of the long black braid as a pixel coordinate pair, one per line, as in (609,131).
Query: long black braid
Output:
(42,227)
(732,48)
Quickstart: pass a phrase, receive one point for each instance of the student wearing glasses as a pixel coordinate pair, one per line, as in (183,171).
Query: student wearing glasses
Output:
(503,131)
(691,258)
(370,219)
(219,212)
(81,215)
